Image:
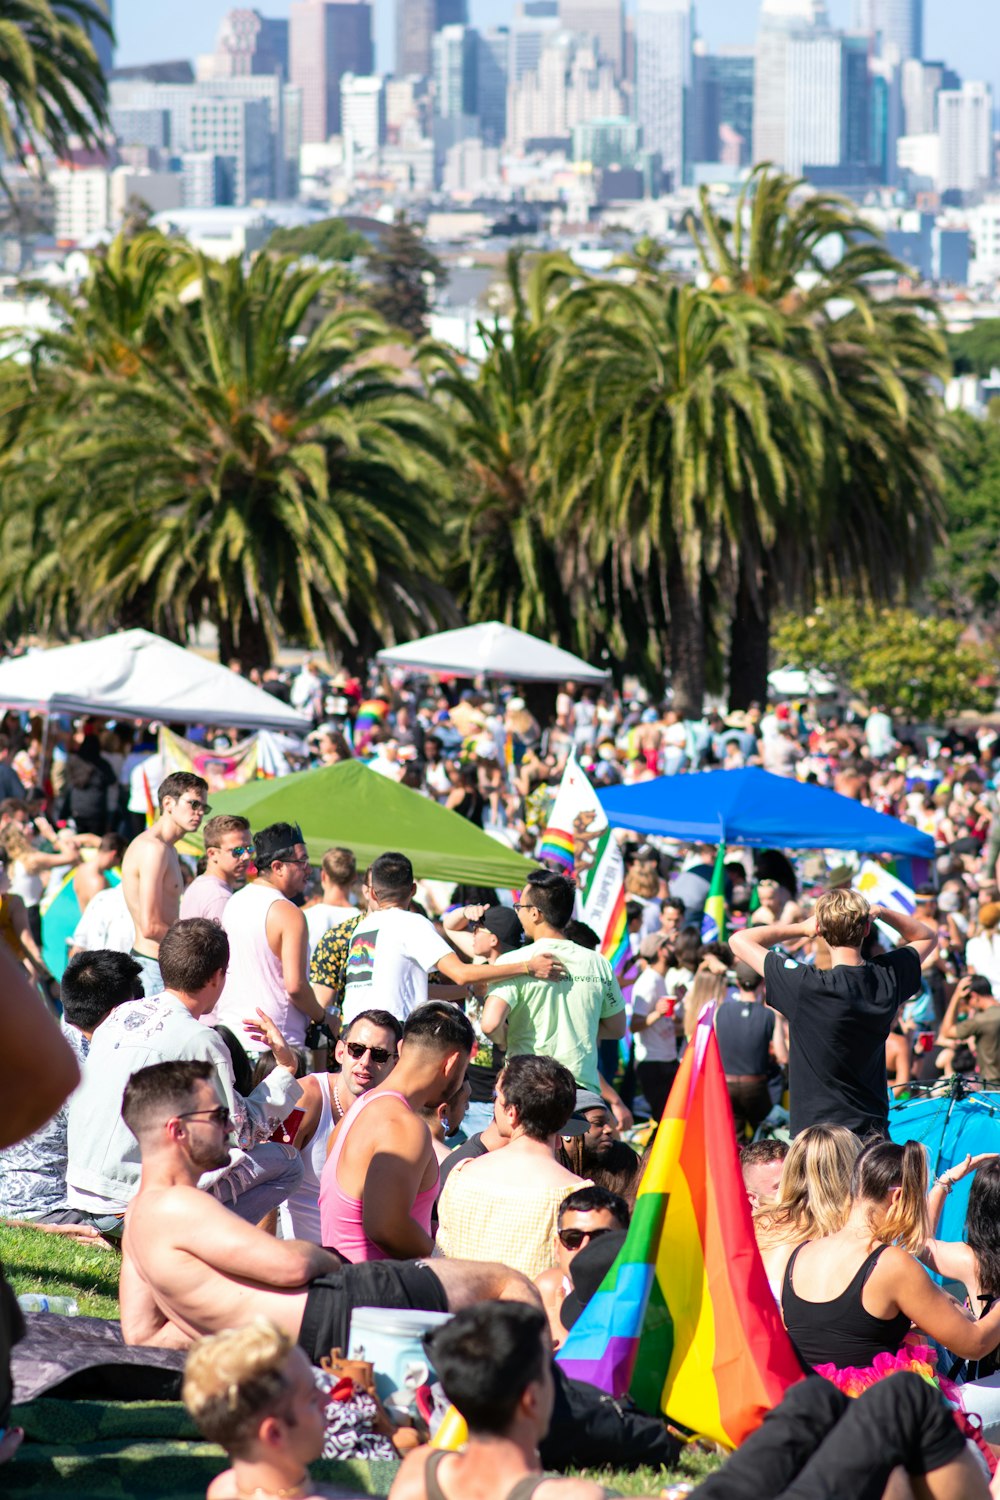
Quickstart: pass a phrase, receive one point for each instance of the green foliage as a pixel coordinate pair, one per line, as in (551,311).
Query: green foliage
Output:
(976,351)
(965,580)
(52,82)
(55,1266)
(403,272)
(329,239)
(914,664)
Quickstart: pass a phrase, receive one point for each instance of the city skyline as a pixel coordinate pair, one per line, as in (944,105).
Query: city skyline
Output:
(962,35)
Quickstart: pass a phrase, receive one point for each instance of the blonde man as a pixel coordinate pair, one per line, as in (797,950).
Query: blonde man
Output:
(838,1018)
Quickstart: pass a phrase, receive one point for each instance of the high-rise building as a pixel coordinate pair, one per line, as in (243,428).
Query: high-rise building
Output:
(327,38)
(814,101)
(663,79)
(896,26)
(362,113)
(249,43)
(492,61)
(780,21)
(454,54)
(568,87)
(100,40)
(416,23)
(534,21)
(81,202)
(965,128)
(601,22)
(921,82)
(721,105)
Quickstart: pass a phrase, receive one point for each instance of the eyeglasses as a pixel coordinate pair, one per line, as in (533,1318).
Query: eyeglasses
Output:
(195,804)
(524,906)
(220,1116)
(379,1055)
(572,1239)
(238,851)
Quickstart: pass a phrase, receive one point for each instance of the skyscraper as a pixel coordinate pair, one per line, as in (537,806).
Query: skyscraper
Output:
(416,23)
(492,58)
(602,21)
(896,25)
(327,38)
(663,79)
(965,121)
(250,44)
(780,22)
(721,100)
(455,72)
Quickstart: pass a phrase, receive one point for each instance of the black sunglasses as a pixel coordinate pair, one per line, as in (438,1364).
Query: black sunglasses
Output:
(572,1239)
(380,1055)
(220,1116)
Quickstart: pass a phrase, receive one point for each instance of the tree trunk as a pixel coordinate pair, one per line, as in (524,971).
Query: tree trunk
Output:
(687,642)
(750,641)
(247,642)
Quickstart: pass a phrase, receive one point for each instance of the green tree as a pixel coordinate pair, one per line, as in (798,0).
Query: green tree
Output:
(215,465)
(976,350)
(965,580)
(915,664)
(870,523)
(403,272)
(329,239)
(54,88)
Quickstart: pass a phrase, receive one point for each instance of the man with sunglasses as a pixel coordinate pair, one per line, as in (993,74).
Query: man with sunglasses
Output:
(151,872)
(269,942)
(583,1216)
(229,854)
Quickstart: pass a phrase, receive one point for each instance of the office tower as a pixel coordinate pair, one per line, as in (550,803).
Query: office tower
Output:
(896,26)
(327,38)
(663,79)
(492,59)
(599,21)
(407,109)
(528,34)
(856,135)
(921,82)
(814,101)
(249,43)
(362,113)
(568,87)
(721,101)
(780,22)
(965,128)
(100,40)
(454,60)
(416,23)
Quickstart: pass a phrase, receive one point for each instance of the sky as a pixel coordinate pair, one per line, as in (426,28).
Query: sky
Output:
(964,33)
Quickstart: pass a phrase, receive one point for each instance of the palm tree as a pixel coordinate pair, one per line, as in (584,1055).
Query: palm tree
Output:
(673,417)
(871,524)
(53,84)
(222,465)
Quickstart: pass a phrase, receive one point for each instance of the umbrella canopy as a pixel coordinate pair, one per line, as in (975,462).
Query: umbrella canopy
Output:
(754,808)
(350,805)
(492,650)
(951,1128)
(137,675)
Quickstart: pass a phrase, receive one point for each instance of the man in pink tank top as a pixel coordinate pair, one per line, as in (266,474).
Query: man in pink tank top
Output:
(380,1180)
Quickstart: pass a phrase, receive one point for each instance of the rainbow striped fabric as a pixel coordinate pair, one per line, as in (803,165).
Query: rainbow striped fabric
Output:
(557,848)
(604,900)
(685,1321)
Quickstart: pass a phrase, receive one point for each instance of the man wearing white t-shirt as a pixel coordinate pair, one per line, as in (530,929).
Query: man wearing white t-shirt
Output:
(653,1023)
(336,874)
(393,949)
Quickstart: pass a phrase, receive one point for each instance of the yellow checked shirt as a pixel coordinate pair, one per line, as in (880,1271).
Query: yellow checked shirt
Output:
(489,1221)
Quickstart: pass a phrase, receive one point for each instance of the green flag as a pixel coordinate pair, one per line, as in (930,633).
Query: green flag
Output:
(713,922)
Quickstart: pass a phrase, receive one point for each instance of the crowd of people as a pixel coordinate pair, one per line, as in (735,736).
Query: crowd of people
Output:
(283,1092)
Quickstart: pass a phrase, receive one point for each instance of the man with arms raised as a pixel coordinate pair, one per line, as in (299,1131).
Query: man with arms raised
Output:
(380,1181)
(366,1054)
(151,872)
(229,853)
(838,1018)
(269,942)
(190,1267)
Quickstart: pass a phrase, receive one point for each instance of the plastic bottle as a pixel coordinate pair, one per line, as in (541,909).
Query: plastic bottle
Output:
(34,1302)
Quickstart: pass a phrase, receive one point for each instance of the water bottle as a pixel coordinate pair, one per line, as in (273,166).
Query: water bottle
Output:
(32,1302)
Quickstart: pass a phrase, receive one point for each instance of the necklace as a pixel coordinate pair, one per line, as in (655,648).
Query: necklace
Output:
(336,1101)
(286,1494)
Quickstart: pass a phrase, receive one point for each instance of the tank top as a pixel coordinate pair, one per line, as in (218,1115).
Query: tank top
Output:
(522,1489)
(254,977)
(30,888)
(299,1214)
(341,1216)
(842,1331)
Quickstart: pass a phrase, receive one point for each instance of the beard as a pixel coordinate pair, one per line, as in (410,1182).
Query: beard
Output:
(208,1157)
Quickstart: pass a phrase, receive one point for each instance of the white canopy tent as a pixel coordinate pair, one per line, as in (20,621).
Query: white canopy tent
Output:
(492,650)
(792,682)
(138,675)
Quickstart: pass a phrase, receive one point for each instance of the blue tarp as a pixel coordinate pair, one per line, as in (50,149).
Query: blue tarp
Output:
(753,807)
(951,1129)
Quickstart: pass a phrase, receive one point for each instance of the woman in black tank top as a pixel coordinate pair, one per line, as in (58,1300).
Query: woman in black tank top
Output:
(854,1295)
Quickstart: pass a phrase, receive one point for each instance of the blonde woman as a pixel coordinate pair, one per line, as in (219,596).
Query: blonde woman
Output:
(813,1197)
(29,868)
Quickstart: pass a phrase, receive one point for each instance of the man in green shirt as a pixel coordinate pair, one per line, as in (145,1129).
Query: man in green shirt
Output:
(981,1026)
(567,1018)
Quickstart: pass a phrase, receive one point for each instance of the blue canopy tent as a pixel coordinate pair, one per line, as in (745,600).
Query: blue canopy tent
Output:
(758,810)
(951,1126)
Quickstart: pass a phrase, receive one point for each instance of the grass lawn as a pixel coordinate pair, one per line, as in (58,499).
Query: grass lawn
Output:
(47,1263)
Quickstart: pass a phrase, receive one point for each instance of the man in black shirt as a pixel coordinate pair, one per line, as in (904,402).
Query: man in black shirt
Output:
(839,1017)
(745,1028)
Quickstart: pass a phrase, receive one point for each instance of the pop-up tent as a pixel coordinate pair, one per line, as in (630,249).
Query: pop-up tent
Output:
(350,805)
(137,675)
(953,1126)
(758,810)
(492,650)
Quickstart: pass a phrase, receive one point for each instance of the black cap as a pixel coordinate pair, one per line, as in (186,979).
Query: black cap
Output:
(504,924)
(588,1269)
(277,841)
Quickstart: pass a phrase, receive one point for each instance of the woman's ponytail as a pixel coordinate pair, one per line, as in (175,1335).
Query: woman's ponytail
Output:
(882,1169)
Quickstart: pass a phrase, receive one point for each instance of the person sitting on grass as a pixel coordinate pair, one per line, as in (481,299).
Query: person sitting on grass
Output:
(583,1216)
(251,1390)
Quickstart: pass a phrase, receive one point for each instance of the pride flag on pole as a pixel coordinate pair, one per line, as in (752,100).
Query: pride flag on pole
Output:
(685,1321)
(603,900)
(713,922)
(575,797)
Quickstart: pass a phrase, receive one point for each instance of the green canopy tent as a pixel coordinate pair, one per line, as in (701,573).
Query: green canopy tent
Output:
(350,805)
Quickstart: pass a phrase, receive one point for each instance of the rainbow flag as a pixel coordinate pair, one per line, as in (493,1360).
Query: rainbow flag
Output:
(685,1321)
(713,922)
(603,905)
(574,797)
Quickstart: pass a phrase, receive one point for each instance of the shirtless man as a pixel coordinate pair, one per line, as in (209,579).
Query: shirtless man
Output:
(91,877)
(190,1267)
(376,1203)
(583,1215)
(151,872)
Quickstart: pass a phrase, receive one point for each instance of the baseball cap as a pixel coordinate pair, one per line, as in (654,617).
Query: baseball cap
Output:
(504,924)
(587,1270)
(650,945)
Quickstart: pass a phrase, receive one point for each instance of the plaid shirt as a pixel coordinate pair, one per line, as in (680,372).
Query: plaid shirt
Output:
(511,1223)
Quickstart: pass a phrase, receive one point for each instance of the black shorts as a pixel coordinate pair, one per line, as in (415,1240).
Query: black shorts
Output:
(326,1322)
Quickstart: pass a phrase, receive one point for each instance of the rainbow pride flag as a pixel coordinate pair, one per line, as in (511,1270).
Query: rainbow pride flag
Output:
(574,797)
(685,1321)
(556,848)
(603,904)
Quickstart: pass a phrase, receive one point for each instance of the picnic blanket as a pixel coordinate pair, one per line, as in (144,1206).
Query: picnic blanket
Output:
(103,1450)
